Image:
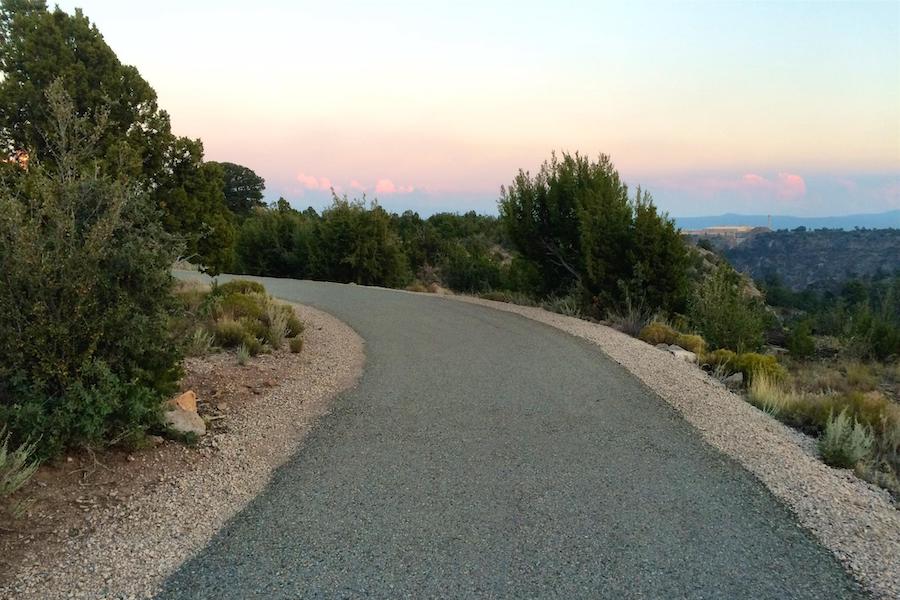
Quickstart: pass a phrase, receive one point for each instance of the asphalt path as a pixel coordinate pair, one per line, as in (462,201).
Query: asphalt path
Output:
(484,455)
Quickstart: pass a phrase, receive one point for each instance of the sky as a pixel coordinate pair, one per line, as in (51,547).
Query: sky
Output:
(748,107)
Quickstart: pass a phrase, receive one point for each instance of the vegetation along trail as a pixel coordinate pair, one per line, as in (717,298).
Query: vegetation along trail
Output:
(484,454)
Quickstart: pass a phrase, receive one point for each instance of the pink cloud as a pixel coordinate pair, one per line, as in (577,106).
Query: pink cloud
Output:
(790,186)
(786,186)
(386,186)
(356,185)
(311,182)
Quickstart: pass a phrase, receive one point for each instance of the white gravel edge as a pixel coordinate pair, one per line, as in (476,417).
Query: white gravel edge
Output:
(853,519)
(138,544)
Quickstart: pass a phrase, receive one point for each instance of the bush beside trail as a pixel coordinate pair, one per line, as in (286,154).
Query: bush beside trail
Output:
(85,354)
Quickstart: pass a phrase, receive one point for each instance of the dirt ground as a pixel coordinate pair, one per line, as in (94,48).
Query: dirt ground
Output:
(58,501)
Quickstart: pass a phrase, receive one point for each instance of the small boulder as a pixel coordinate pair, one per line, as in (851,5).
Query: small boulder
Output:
(186,401)
(734,381)
(681,353)
(184,421)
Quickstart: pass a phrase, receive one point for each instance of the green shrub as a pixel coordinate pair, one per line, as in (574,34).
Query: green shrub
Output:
(85,352)
(845,441)
(240,287)
(694,343)
(356,244)
(98,407)
(296,344)
(243,306)
(521,275)
(16,466)
(253,345)
(229,333)
(470,268)
(800,342)
(255,328)
(658,333)
(724,314)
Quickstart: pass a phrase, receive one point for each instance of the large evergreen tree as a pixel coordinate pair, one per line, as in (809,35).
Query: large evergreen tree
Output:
(243,188)
(38,47)
(575,221)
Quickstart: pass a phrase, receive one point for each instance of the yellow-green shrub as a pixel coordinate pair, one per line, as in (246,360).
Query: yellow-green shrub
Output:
(752,363)
(255,327)
(241,306)
(694,343)
(240,286)
(296,344)
(658,333)
(253,345)
(229,333)
(721,358)
(294,324)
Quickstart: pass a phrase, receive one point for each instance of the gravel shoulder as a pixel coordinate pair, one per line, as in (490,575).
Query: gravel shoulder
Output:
(131,547)
(854,520)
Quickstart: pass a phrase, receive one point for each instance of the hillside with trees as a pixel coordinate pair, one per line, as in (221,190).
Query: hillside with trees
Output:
(823,258)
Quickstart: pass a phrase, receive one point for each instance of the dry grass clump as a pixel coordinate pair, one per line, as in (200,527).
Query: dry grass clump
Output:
(768,395)
(243,354)
(854,429)
(236,315)
(860,376)
(276,327)
(200,343)
(418,286)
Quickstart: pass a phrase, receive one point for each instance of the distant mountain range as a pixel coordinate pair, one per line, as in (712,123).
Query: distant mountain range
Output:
(885,220)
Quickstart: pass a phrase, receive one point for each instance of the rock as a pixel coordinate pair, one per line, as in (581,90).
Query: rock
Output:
(734,381)
(186,401)
(663,347)
(184,421)
(155,440)
(685,355)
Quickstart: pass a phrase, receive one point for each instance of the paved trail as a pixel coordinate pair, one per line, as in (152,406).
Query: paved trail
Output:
(486,455)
